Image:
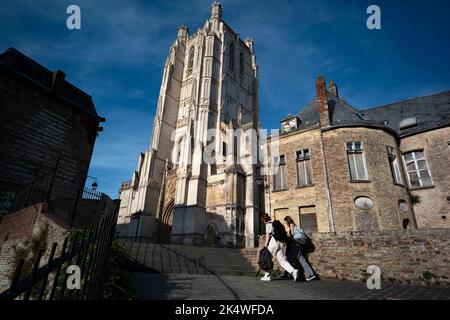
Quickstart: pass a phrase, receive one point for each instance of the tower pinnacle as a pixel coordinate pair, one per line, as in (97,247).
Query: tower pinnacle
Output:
(216,12)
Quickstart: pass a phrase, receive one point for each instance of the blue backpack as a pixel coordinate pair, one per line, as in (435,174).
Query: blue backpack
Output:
(300,236)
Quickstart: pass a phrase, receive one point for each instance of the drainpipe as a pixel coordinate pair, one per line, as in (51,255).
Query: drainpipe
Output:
(330,203)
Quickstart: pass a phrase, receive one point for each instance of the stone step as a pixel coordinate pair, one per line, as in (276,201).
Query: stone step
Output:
(187,260)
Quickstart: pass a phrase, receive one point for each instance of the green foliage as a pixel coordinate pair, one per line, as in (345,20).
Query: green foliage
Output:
(415,199)
(116,286)
(28,251)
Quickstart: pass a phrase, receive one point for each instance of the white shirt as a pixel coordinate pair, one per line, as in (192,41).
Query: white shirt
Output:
(269,227)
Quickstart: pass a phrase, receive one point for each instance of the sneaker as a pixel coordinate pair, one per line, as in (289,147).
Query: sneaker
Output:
(295,275)
(266,278)
(285,276)
(311,277)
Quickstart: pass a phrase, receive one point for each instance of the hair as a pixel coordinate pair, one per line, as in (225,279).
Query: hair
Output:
(289,220)
(266,217)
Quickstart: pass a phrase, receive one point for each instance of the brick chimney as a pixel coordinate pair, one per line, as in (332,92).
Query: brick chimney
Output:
(332,88)
(58,81)
(322,101)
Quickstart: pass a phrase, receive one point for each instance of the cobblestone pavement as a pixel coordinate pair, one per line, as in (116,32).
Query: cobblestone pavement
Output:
(154,286)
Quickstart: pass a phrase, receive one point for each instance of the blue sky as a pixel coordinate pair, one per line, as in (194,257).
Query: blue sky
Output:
(118,56)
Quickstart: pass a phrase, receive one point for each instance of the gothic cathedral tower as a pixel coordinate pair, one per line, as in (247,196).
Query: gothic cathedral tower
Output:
(192,186)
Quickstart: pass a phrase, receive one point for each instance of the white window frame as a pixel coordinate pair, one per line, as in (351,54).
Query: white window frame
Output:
(417,170)
(283,179)
(350,153)
(394,165)
(304,159)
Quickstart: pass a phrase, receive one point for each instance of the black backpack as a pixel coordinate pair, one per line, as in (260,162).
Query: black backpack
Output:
(265,260)
(279,232)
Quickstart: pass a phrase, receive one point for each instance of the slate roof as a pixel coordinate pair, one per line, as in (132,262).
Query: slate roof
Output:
(29,69)
(431,112)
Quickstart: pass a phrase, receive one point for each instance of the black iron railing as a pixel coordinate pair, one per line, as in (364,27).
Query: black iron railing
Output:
(87,248)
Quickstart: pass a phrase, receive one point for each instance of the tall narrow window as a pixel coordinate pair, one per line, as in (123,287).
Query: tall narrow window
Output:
(303,168)
(356,162)
(241,65)
(224,149)
(394,164)
(191,60)
(280,176)
(231,57)
(417,170)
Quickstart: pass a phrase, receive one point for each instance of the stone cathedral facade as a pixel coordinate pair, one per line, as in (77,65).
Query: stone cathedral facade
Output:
(209,92)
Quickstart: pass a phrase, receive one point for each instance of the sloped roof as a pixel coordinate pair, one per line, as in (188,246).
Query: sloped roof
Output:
(431,112)
(29,69)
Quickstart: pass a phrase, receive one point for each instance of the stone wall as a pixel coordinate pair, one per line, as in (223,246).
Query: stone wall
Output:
(24,224)
(434,209)
(380,187)
(407,256)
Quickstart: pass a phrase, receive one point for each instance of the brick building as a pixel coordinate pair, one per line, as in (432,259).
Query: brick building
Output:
(45,123)
(341,169)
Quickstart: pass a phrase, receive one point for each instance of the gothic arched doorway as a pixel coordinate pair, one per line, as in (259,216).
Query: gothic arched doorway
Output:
(165,223)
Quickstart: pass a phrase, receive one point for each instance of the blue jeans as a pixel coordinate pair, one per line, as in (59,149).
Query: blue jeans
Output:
(296,253)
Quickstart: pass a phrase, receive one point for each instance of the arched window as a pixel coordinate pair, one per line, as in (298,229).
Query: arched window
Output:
(231,57)
(405,224)
(191,60)
(241,65)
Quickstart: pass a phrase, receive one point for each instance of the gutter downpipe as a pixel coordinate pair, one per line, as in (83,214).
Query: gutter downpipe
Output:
(330,203)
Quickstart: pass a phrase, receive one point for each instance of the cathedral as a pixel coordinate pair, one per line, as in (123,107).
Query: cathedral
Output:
(199,182)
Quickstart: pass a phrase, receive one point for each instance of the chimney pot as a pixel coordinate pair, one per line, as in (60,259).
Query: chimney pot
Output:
(333,89)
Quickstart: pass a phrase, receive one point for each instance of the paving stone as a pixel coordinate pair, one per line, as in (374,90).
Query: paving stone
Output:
(156,286)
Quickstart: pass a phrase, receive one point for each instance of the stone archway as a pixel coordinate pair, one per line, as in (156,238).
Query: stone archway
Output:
(211,236)
(165,223)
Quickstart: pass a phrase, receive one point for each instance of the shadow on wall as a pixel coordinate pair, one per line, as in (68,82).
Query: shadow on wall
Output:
(212,230)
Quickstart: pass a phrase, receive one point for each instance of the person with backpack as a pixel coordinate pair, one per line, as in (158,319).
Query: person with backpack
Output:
(299,247)
(275,242)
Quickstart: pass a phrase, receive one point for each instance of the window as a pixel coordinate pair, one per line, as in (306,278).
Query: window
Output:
(407,123)
(360,116)
(417,170)
(280,176)
(241,65)
(231,57)
(394,164)
(363,203)
(308,222)
(356,162)
(405,224)
(191,60)
(224,149)
(403,206)
(303,168)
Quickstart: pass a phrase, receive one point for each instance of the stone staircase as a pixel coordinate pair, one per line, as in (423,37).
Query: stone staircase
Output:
(192,260)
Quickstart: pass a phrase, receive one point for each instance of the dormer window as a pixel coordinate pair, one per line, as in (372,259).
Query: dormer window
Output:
(360,116)
(290,124)
(407,123)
